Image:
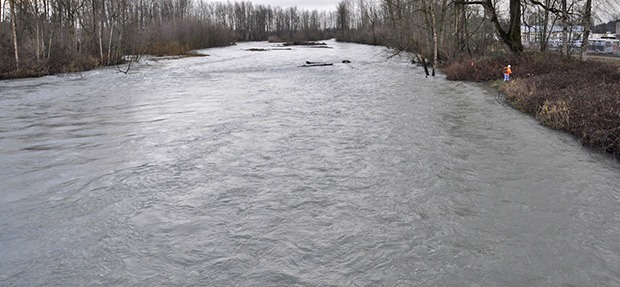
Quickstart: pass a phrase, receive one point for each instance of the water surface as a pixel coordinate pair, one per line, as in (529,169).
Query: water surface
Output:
(244,169)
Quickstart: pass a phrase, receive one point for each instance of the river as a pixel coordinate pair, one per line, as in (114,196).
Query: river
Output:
(243,169)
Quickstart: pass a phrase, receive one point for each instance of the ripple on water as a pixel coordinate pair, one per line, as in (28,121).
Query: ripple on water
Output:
(220,171)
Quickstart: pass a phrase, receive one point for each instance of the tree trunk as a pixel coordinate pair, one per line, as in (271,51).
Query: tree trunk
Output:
(37,43)
(110,43)
(100,36)
(14,32)
(458,28)
(544,38)
(511,37)
(46,54)
(462,28)
(49,44)
(119,52)
(587,22)
(95,24)
(121,29)
(1,20)
(37,31)
(565,49)
(435,38)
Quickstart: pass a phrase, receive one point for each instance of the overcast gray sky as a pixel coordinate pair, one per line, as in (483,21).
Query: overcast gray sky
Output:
(321,5)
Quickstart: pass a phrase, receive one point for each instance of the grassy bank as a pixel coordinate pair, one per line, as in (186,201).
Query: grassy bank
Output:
(582,98)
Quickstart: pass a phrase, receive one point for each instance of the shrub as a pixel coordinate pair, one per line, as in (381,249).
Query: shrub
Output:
(554,114)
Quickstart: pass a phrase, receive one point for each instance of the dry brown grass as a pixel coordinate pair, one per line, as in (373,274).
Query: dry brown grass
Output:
(554,114)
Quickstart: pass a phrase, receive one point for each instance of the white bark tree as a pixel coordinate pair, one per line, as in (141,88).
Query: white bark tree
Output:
(14,31)
(587,23)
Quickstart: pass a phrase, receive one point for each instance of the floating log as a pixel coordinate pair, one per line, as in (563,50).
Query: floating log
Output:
(316,64)
(263,49)
(304,44)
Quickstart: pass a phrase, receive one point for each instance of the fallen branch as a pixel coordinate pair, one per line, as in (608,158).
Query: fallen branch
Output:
(125,71)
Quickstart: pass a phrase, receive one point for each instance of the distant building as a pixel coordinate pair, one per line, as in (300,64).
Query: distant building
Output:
(532,35)
(607,43)
(604,46)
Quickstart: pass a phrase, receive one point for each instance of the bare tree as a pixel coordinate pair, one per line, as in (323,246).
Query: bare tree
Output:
(430,16)
(434,28)
(343,16)
(14,31)
(79,34)
(1,20)
(544,41)
(511,35)
(587,23)
(564,17)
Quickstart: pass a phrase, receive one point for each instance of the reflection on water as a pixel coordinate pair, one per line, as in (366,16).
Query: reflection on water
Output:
(242,168)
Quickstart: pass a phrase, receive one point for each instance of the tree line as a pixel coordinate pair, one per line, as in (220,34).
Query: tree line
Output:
(39,37)
(435,30)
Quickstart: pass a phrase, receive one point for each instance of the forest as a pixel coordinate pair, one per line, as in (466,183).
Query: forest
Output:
(40,37)
(440,31)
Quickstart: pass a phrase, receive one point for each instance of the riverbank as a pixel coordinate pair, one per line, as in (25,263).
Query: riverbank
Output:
(582,98)
(82,64)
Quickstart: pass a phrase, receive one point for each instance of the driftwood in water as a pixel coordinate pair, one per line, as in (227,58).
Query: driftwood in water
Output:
(304,44)
(316,64)
(263,49)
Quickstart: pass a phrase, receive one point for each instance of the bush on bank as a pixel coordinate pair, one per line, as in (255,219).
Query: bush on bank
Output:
(582,98)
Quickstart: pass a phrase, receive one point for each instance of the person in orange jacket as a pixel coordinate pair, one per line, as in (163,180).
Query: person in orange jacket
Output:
(507,73)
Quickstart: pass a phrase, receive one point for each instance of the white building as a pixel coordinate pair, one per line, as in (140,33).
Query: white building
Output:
(532,35)
(598,43)
(604,44)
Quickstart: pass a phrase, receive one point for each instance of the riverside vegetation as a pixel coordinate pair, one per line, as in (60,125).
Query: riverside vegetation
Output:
(577,95)
(42,37)
(580,97)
